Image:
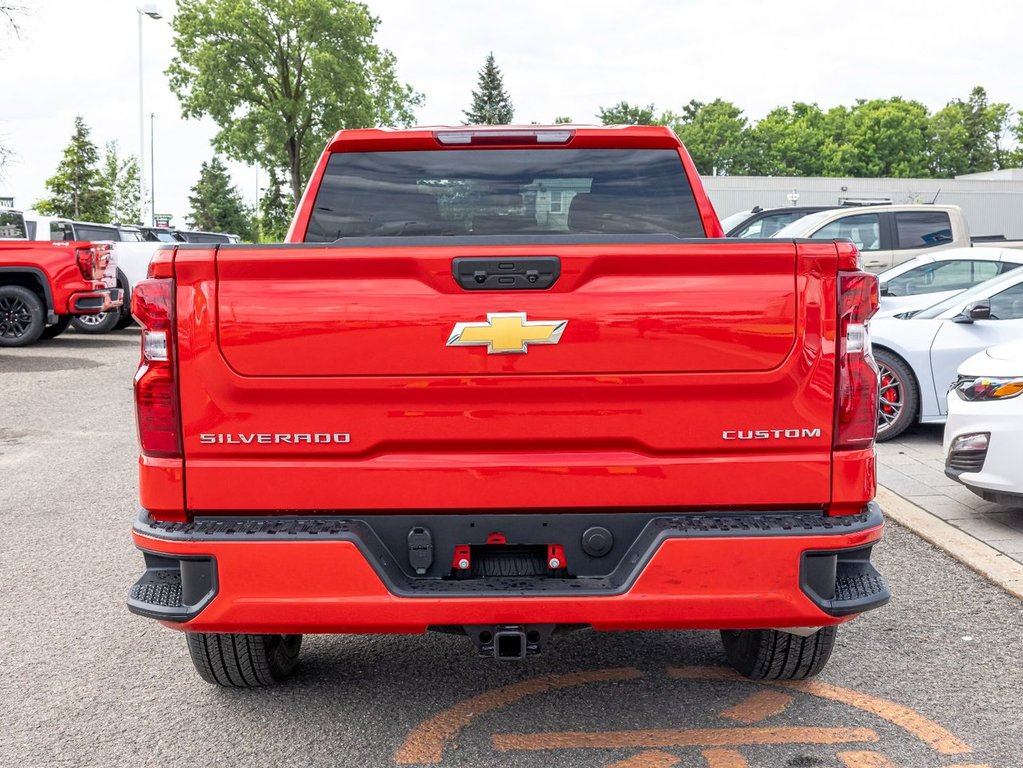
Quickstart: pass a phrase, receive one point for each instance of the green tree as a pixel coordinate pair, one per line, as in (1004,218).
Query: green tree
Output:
(716,135)
(880,137)
(274,212)
(491,104)
(1014,159)
(121,179)
(969,136)
(788,141)
(624,113)
(78,189)
(279,77)
(561,120)
(217,205)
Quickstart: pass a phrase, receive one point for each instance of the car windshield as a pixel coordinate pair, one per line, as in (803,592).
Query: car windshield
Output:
(979,291)
(804,226)
(731,222)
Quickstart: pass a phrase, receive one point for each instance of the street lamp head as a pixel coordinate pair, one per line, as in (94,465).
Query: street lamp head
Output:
(152,10)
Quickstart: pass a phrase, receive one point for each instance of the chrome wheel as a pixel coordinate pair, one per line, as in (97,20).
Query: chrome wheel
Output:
(15,317)
(892,399)
(92,320)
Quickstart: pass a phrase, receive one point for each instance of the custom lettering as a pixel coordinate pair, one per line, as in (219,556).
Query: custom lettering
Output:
(771,434)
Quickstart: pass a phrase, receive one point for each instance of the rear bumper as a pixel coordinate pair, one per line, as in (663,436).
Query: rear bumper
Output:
(340,575)
(91,302)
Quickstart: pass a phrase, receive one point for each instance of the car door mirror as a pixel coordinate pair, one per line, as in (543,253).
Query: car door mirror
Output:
(978,310)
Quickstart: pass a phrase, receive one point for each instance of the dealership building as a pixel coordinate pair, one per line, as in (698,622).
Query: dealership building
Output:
(992,201)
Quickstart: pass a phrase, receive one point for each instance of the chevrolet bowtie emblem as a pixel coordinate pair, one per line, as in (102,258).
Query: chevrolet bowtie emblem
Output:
(507,333)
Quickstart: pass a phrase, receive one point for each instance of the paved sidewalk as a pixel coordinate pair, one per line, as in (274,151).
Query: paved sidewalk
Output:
(913,467)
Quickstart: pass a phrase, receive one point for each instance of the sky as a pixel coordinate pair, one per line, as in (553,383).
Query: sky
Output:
(558,58)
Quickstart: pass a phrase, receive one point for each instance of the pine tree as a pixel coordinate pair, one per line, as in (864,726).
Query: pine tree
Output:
(491,104)
(217,205)
(274,212)
(78,189)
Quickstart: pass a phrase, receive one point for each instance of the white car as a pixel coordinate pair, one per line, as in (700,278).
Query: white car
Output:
(918,353)
(984,432)
(929,278)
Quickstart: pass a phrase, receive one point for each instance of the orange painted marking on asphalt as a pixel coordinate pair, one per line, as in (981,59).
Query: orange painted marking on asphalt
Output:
(651,759)
(724,758)
(706,673)
(926,730)
(910,720)
(758,706)
(865,760)
(425,745)
(696,737)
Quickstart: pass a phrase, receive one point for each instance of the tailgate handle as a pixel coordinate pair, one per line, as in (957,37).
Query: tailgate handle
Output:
(525,273)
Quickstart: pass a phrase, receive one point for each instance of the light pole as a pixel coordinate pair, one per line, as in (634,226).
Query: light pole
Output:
(152,169)
(152,11)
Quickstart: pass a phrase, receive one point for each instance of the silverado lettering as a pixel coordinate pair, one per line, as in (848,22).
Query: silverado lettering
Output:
(495,492)
(266,438)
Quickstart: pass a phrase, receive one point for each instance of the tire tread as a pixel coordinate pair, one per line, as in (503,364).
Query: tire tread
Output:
(243,661)
(771,654)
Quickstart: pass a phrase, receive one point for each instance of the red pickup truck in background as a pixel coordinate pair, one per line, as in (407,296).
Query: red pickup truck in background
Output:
(44,284)
(502,382)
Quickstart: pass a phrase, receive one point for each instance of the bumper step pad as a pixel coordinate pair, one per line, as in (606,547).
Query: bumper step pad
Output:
(172,588)
(158,588)
(843,583)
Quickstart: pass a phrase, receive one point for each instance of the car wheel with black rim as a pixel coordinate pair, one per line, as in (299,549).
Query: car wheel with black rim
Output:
(22,316)
(899,396)
(101,322)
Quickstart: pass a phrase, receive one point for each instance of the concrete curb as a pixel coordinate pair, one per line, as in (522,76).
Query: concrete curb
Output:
(973,553)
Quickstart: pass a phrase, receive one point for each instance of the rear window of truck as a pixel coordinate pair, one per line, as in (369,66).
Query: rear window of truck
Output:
(506,192)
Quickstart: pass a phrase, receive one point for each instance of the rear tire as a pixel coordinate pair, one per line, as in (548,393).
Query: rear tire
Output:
(900,396)
(102,322)
(125,321)
(770,654)
(55,330)
(243,661)
(22,316)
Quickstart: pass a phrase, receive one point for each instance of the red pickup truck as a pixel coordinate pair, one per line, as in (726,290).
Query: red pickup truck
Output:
(43,284)
(503,382)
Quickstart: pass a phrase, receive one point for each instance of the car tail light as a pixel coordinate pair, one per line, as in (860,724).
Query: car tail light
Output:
(156,387)
(857,383)
(93,261)
(88,262)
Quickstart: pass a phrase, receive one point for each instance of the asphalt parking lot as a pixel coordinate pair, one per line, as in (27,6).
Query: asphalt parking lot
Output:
(932,680)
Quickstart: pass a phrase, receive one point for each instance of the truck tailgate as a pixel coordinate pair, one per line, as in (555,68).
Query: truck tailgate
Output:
(693,374)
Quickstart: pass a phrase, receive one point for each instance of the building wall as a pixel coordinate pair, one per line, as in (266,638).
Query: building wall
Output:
(991,207)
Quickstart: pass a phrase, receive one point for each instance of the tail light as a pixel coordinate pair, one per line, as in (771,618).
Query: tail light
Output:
(88,263)
(857,385)
(156,387)
(91,262)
